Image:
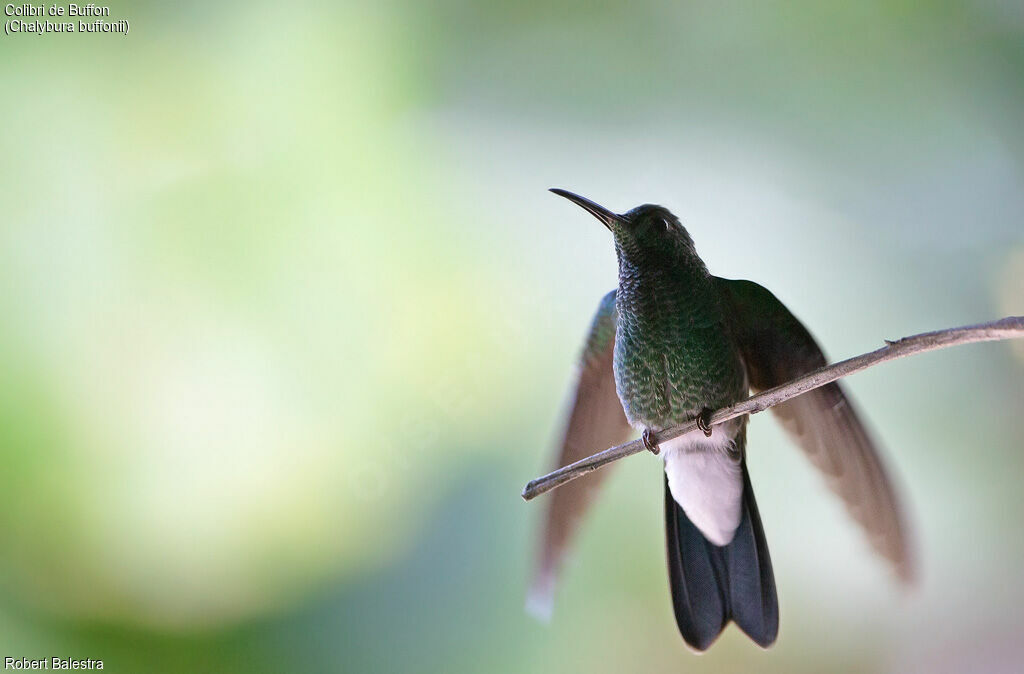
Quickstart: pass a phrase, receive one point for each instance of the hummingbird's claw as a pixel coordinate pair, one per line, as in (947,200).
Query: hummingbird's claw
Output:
(704,421)
(650,442)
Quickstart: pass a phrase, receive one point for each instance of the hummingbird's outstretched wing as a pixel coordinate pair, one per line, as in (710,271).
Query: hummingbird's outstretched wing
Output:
(776,348)
(595,422)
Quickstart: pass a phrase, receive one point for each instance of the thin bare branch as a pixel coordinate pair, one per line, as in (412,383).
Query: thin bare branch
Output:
(1011,327)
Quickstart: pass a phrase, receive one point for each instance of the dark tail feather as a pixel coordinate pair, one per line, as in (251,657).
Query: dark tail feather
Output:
(712,585)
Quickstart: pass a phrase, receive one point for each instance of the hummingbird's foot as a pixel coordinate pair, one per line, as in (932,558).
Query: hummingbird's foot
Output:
(704,421)
(650,442)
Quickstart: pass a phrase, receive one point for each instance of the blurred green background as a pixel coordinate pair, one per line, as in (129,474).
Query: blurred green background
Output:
(287,319)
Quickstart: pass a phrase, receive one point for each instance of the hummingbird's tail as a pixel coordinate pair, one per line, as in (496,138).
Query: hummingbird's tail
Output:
(712,585)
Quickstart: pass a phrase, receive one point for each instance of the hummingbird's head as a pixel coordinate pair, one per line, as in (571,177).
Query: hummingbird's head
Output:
(645,232)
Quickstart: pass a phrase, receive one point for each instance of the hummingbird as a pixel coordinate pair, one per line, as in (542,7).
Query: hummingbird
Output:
(669,345)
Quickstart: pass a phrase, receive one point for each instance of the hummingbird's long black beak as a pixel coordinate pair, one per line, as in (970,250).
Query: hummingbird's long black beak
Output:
(597,210)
